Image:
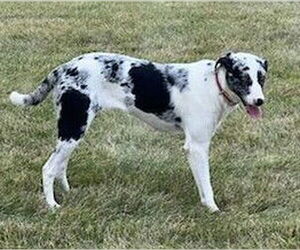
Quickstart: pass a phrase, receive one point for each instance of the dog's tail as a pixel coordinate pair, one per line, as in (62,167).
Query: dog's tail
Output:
(38,95)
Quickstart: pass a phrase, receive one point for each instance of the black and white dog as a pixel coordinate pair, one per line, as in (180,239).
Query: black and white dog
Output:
(192,97)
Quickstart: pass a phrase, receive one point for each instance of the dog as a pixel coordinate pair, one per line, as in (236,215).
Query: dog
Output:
(189,97)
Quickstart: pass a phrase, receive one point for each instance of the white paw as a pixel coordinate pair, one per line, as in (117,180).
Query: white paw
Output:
(65,186)
(212,207)
(53,206)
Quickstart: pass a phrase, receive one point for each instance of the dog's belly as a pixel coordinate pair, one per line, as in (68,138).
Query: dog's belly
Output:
(154,121)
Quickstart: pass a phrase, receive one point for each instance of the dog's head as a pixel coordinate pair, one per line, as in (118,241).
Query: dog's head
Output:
(245,76)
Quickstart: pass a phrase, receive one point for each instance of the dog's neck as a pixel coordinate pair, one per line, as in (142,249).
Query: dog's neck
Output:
(228,97)
(222,104)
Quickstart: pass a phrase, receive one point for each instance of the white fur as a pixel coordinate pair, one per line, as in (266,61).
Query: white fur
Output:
(17,99)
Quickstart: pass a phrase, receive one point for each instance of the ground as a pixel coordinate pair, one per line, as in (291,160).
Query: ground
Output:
(131,185)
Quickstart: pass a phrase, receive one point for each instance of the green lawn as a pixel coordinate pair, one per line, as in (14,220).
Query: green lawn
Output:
(135,189)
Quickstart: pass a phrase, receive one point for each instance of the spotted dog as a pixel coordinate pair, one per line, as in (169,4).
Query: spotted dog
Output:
(191,97)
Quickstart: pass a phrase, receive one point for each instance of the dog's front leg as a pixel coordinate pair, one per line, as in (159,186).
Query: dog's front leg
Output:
(198,158)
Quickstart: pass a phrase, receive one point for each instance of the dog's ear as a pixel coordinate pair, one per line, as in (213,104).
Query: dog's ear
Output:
(225,61)
(265,65)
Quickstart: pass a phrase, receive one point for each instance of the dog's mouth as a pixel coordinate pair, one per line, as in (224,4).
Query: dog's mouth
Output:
(254,111)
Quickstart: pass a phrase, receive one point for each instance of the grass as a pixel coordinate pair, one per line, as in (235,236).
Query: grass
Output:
(134,189)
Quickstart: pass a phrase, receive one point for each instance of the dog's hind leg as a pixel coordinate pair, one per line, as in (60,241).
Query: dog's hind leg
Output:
(75,117)
(62,177)
(54,166)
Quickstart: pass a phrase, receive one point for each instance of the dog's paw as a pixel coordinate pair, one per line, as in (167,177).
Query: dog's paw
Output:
(53,207)
(213,208)
(217,212)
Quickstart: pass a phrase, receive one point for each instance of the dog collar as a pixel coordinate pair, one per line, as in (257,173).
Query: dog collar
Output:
(224,93)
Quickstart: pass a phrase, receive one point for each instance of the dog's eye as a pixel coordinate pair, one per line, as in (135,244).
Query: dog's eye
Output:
(246,79)
(261,78)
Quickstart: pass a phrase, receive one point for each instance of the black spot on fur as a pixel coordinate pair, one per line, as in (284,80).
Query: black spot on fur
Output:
(55,73)
(40,93)
(261,78)
(35,102)
(177,119)
(96,108)
(73,114)
(114,70)
(83,86)
(124,84)
(239,82)
(96,58)
(79,58)
(108,61)
(171,80)
(72,72)
(209,64)
(150,89)
(177,77)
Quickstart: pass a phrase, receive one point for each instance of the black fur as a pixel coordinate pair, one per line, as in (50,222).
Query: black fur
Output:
(239,82)
(55,73)
(226,62)
(73,114)
(263,64)
(261,78)
(171,80)
(113,70)
(72,72)
(237,78)
(40,93)
(150,89)
(178,119)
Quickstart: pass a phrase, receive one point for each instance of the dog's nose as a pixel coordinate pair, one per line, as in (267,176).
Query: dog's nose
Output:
(259,102)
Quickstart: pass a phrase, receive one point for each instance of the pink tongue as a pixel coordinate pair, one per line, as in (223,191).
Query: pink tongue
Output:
(254,112)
